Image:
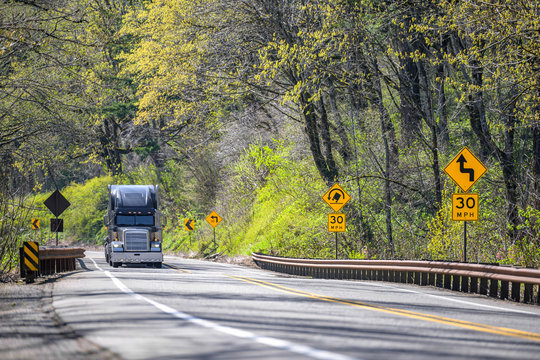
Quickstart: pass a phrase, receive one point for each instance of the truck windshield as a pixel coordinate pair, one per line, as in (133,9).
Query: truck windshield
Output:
(125,220)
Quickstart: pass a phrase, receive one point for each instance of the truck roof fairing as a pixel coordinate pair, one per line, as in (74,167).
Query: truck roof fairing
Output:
(133,197)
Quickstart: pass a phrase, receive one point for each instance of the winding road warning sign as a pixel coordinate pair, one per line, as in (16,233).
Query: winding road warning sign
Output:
(465,169)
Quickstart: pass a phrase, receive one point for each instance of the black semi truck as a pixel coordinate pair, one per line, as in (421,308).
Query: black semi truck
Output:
(135,226)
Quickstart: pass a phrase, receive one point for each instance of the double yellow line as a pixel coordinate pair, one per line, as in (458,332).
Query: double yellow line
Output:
(410,314)
(177,268)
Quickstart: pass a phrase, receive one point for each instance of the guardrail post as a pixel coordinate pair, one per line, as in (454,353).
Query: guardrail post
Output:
(403,277)
(516,291)
(483,286)
(456,283)
(447,281)
(423,279)
(494,287)
(474,285)
(528,294)
(431,279)
(464,284)
(439,282)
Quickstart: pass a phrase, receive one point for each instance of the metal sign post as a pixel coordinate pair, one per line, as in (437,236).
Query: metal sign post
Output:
(57,204)
(336,197)
(214,219)
(464,241)
(465,170)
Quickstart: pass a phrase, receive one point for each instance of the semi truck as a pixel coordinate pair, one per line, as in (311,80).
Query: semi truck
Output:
(134,226)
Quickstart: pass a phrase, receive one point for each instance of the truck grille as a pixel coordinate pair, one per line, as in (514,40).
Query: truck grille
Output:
(136,241)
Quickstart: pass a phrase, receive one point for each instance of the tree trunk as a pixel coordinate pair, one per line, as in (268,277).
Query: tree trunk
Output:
(345,148)
(386,128)
(409,94)
(427,109)
(536,165)
(444,133)
(326,168)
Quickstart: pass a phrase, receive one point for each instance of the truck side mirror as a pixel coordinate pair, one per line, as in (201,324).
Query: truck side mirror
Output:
(106,220)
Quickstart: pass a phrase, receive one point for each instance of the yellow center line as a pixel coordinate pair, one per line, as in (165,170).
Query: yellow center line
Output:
(177,268)
(405,313)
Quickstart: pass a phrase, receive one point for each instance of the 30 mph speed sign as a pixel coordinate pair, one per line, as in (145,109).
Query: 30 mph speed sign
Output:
(465,207)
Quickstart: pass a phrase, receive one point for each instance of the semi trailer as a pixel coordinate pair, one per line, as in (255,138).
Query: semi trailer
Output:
(134,226)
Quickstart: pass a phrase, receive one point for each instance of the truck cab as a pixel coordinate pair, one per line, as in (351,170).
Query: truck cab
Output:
(135,226)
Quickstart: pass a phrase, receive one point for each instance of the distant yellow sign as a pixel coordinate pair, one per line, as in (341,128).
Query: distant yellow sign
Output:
(465,169)
(465,207)
(35,223)
(189,224)
(336,197)
(336,222)
(214,219)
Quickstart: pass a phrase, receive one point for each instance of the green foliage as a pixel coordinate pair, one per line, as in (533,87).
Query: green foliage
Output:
(445,237)
(287,213)
(83,220)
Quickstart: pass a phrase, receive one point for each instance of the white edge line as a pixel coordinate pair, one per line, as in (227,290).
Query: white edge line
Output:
(451,299)
(243,334)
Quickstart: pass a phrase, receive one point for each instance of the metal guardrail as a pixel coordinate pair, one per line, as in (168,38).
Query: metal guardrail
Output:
(53,260)
(517,284)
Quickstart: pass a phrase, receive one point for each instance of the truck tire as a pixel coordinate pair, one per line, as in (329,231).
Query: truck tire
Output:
(158,265)
(116,264)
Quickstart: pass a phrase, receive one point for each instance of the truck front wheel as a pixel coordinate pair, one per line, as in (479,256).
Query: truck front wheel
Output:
(157,265)
(116,264)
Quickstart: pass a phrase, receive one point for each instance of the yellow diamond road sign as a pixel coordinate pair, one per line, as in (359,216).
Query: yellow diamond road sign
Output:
(336,197)
(213,219)
(465,169)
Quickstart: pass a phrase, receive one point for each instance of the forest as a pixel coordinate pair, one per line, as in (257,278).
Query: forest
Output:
(254,108)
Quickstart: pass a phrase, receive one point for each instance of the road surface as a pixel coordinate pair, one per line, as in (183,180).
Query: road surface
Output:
(202,310)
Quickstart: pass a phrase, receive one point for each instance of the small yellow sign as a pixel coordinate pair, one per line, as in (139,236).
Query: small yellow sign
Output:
(189,224)
(336,197)
(35,223)
(214,219)
(465,207)
(336,222)
(465,169)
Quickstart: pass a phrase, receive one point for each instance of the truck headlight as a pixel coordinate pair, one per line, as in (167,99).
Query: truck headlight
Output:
(156,246)
(117,246)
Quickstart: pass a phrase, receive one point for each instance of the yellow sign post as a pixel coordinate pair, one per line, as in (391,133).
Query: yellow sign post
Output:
(214,219)
(465,207)
(336,197)
(465,169)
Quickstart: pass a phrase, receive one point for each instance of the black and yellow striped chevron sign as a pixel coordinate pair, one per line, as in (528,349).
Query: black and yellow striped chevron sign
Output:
(31,255)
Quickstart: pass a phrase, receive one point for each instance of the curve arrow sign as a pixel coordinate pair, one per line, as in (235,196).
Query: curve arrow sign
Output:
(461,160)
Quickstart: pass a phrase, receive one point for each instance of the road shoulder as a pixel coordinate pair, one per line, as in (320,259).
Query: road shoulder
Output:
(30,328)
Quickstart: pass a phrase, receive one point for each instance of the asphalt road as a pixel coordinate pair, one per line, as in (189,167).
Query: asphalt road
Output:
(202,310)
